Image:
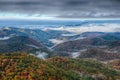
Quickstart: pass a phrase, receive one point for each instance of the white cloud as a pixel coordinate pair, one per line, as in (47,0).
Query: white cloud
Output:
(5,38)
(106,27)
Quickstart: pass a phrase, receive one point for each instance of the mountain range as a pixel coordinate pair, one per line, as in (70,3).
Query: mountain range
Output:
(57,42)
(50,54)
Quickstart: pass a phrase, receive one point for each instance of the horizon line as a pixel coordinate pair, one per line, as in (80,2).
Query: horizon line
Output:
(35,18)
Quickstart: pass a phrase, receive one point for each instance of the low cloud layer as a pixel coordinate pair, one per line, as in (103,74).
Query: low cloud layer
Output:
(62,8)
(106,27)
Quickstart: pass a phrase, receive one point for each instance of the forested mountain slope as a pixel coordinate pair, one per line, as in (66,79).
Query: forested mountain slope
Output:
(22,66)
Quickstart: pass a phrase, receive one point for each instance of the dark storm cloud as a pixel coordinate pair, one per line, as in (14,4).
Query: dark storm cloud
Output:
(64,8)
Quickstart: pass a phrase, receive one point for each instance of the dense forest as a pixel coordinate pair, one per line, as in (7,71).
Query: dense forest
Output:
(22,66)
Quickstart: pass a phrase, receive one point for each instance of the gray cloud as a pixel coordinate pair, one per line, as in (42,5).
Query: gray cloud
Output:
(64,8)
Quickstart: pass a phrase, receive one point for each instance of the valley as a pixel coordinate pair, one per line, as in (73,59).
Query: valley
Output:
(42,53)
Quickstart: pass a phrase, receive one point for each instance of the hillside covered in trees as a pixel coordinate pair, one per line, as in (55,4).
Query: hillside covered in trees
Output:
(22,66)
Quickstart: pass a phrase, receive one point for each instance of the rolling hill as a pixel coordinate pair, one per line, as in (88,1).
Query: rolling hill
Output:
(20,43)
(106,42)
(22,66)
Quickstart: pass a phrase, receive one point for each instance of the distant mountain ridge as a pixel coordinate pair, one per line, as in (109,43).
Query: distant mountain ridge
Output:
(100,40)
(60,43)
(36,34)
(20,43)
(104,41)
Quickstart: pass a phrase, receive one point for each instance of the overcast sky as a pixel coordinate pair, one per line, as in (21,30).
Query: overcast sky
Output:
(60,9)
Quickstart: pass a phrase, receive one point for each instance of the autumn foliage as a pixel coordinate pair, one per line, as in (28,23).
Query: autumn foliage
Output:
(22,66)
